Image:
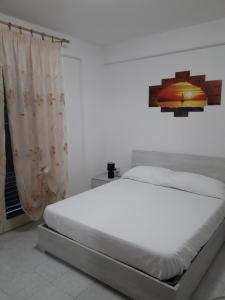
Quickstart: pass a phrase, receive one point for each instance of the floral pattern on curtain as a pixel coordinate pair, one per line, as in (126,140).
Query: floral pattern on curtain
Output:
(32,72)
(2,148)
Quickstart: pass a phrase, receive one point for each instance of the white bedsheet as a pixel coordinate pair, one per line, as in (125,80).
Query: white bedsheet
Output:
(155,229)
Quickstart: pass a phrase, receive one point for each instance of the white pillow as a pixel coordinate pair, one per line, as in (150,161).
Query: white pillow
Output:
(198,184)
(190,182)
(149,174)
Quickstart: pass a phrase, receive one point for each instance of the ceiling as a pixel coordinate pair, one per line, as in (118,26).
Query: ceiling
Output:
(106,22)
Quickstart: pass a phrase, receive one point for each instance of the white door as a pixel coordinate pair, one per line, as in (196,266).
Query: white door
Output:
(75,128)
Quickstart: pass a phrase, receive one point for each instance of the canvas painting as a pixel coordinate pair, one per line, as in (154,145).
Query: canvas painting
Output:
(185,93)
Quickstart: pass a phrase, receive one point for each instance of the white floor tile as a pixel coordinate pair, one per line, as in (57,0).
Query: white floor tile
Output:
(3,296)
(99,291)
(49,293)
(208,290)
(73,282)
(52,268)
(24,286)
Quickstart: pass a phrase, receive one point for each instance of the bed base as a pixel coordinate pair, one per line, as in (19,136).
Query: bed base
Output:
(128,280)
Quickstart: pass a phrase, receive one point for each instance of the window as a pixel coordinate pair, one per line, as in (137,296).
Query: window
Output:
(12,201)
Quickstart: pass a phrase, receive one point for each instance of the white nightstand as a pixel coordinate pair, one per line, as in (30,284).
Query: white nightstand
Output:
(102,179)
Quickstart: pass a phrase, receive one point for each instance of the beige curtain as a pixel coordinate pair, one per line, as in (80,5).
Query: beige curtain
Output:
(32,72)
(2,148)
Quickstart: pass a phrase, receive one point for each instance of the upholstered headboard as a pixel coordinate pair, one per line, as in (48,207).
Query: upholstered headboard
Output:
(209,166)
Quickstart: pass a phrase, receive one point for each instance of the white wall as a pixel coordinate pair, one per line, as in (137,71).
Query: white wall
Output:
(107,105)
(131,67)
(83,62)
(203,35)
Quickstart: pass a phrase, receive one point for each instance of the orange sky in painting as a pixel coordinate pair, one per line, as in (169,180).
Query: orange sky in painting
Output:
(182,94)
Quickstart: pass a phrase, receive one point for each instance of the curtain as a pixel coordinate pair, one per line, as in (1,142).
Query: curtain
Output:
(2,147)
(33,81)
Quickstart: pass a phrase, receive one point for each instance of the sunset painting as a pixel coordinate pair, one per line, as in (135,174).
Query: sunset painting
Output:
(185,93)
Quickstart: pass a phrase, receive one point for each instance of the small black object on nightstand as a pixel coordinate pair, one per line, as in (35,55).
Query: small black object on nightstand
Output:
(111,168)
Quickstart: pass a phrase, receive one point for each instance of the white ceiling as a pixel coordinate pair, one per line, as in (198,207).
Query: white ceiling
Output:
(111,21)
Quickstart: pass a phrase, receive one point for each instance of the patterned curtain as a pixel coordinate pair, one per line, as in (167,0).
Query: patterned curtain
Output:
(32,72)
(2,148)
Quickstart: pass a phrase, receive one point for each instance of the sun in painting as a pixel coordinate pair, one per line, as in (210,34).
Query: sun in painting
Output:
(182,94)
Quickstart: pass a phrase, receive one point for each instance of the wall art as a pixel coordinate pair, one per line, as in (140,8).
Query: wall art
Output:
(185,93)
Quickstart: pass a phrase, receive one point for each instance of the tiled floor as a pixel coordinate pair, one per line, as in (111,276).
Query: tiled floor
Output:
(28,274)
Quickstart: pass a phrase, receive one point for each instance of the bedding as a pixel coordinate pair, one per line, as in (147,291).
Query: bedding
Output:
(149,174)
(190,182)
(197,184)
(155,229)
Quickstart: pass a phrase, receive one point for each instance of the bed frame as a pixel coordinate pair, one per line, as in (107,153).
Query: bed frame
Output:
(128,280)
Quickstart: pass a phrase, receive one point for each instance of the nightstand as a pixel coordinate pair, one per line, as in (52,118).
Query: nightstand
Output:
(102,179)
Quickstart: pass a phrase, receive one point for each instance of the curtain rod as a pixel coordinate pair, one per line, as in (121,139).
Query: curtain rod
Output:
(43,34)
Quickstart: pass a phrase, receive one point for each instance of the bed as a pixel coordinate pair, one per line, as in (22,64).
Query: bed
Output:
(142,253)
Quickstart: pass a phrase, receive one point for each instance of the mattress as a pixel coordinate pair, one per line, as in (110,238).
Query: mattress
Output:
(155,229)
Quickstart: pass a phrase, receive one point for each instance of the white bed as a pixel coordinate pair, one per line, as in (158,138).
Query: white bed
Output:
(134,236)
(155,229)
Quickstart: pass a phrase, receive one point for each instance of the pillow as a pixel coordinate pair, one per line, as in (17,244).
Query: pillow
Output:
(149,174)
(190,182)
(198,184)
